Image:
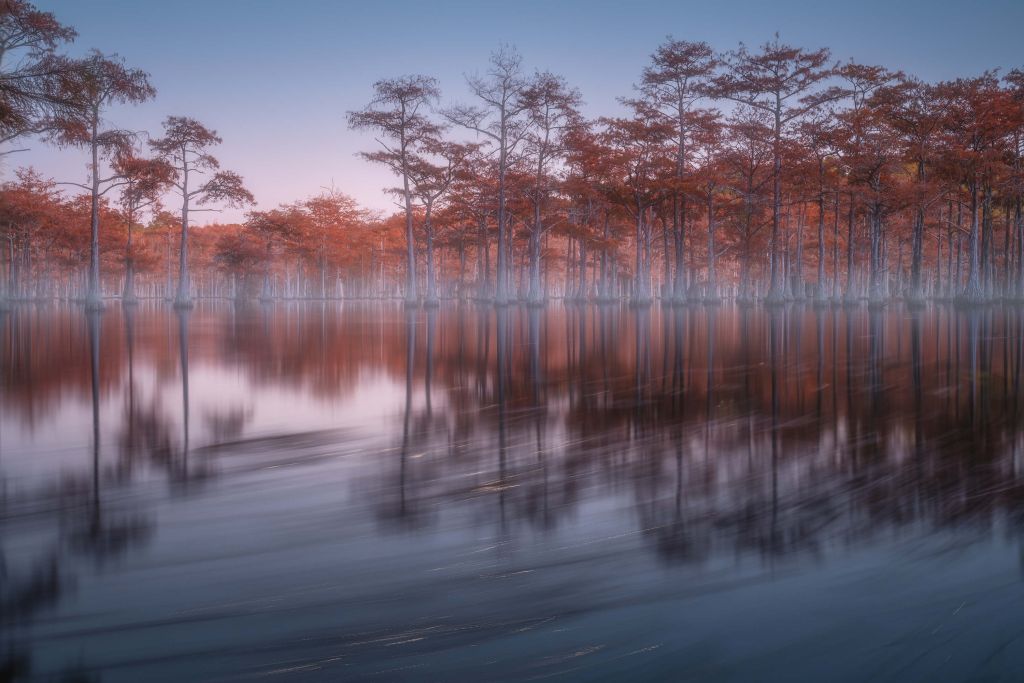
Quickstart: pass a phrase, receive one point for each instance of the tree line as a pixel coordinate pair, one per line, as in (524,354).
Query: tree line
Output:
(776,173)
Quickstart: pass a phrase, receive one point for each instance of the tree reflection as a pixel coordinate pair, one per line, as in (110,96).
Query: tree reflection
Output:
(763,432)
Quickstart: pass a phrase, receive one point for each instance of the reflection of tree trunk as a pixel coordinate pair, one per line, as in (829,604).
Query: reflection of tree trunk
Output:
(819,315)
(129,334)
(92,317)
(642,361)
(916,366)
(483,350)
(776,361)
(709,407)
(677,356)
(502,362)
(535,375)
(410,359)
(581,348)
(183,316)
(431,324)
(876,379)
(1018,346)
(604,315)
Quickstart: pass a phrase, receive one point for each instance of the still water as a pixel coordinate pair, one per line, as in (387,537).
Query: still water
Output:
(350,491)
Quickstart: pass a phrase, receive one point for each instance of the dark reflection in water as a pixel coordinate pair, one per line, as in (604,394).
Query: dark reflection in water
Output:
(361,492)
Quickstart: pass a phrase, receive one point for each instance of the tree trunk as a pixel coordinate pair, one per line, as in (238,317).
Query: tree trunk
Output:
(712,290)
(775,291)
(94,297)
(535,295)
(184,298)
(973,290)
(430,297)
(128,295)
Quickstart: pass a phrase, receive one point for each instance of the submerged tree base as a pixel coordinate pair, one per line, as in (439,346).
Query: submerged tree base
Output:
(915,302)
(93,303)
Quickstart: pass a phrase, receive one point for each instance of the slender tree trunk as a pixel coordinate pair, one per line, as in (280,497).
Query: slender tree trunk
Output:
(430,297)
(639,291)
(1018,215)
(798,261)
(605,288)
(851,293)
(712,291)
(877,290)
(535,295)
(501,290)
(776,289)
(266,295)
(835,250)
(94,297)
(128,295)
(581,292)
(184,297)
(973,289)
(821,290)
(411,295)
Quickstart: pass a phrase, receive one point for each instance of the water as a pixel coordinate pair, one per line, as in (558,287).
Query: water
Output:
(325,492)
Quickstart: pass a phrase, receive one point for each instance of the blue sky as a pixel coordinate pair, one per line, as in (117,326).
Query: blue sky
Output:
(275,78)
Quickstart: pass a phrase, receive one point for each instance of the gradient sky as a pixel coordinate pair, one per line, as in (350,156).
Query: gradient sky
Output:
(275,78)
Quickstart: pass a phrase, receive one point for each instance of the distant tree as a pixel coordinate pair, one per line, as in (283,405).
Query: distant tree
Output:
(910,106)
(708,143)
(781,81)
(817,140)
(1014,81)
(677,78)
(977,122)
(552,111)
(100,82)
(434,172)
(747,166)
(145,181)
(327,221)
(500,119)
(238,256)
(163,225)
(270,228)
(32,218)
(869,148)
(399,112)
(589,182)
(185,148)
(638,179)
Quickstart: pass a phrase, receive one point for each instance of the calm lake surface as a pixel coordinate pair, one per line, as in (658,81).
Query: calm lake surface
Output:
(349,491)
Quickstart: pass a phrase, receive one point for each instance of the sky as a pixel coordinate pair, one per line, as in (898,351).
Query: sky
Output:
(275,78)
